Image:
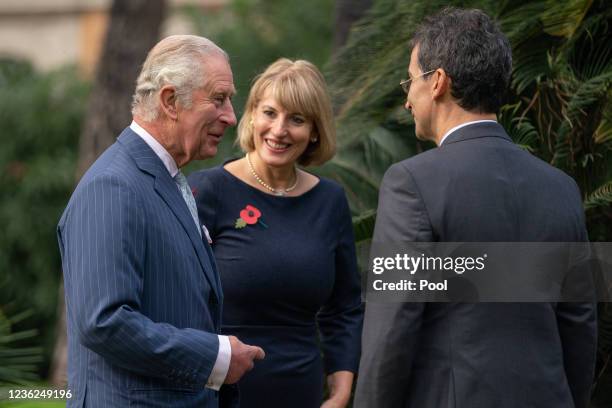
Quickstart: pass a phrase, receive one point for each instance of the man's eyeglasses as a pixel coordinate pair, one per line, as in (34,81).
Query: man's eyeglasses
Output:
(405,83)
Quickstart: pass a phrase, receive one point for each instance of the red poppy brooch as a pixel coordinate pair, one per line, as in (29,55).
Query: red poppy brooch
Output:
(249,216)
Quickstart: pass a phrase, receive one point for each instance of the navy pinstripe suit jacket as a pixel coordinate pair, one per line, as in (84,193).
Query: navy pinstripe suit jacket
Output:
(143,295)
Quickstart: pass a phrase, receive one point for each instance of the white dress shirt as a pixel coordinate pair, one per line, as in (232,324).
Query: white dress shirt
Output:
(462,125)
(221,367)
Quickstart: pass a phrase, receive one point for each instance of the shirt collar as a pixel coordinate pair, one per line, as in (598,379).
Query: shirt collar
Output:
(159,150)
(463,125)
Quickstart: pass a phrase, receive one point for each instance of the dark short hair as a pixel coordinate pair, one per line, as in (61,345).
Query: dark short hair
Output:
(469,46)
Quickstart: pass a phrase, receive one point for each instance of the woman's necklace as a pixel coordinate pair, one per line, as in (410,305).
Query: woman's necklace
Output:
(278,192)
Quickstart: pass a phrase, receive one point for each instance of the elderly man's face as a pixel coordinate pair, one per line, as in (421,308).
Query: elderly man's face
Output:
(201,127)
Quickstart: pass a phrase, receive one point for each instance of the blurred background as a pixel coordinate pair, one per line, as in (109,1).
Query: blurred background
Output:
(67,73)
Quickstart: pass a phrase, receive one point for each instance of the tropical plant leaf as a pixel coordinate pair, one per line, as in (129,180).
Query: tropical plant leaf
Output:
(603,133)
(589,53)
(588,93)
(18,364)
(529,47)
(520,130)
(601,197)
(563,18)
(363,226)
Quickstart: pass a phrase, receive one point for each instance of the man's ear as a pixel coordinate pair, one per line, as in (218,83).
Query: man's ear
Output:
(441,83)
(168,101)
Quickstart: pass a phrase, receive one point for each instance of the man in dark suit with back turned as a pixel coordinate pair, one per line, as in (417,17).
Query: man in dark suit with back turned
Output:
(143,295)
(475,186)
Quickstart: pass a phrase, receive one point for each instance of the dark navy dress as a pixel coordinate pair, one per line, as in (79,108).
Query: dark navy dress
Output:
(287,268)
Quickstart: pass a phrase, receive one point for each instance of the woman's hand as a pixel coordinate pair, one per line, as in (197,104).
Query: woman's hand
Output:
(339,384)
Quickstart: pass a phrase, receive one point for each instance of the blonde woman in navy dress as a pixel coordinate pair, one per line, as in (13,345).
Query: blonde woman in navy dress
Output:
(283,242)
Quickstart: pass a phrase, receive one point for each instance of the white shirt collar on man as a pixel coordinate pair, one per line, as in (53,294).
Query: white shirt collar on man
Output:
(159,150)
(463,125)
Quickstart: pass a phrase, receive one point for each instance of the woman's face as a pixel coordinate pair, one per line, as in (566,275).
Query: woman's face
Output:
(280,136)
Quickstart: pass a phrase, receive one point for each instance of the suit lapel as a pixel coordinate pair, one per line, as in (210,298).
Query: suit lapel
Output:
(217,278)
(148,161)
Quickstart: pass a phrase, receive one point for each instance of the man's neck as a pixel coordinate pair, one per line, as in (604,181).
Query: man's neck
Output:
(152,129)
(159,131)
(454,117)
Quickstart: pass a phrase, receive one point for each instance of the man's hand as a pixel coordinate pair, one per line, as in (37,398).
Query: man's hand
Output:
(242,359)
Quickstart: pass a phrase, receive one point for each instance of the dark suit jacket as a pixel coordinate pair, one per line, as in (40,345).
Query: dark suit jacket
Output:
(477,186)
(142,291)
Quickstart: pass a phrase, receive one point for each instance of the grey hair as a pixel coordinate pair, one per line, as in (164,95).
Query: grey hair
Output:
(176,61)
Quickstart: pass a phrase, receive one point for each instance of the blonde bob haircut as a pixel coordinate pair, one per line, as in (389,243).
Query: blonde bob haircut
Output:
(299,87)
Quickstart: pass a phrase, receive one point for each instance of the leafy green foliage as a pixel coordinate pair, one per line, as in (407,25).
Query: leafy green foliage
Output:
(363,226)
(600,197)
(18,364)
(40,117)
(564,93)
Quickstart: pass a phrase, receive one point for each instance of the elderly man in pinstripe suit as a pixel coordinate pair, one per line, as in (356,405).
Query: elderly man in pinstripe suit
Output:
(142,290)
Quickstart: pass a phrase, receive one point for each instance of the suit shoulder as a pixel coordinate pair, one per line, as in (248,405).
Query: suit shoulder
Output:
(104,190)
(114,161)
(420,159)
(105,183)
(401,170)
(554,174)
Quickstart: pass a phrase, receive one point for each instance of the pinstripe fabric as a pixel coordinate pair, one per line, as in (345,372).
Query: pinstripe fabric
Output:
(142,291)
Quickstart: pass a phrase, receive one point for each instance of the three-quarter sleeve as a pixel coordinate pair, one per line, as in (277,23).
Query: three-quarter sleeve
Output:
(340,320)
(203,188)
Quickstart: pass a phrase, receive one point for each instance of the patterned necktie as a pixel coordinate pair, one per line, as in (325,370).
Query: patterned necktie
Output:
(181,181)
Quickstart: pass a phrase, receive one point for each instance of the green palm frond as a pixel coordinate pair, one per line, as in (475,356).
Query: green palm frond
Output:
(520,129)
(563,153)
(363,226)
(601,197)
(603,133)
(524,29)
(530,64)
(563,18)
(589,52)
(360,186)
(592,91)
(18,365)
(361,164)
